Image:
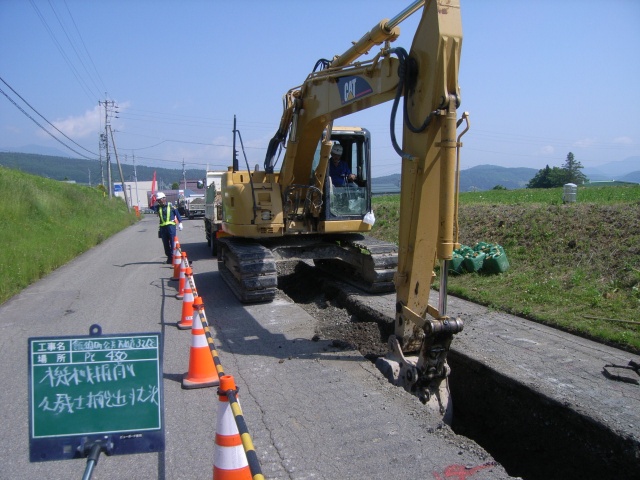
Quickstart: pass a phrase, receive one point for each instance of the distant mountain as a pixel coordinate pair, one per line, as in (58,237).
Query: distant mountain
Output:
(614,170)
(631,177)
(387,180)
(88,171)
(482,177)
(485,177)
(37,150)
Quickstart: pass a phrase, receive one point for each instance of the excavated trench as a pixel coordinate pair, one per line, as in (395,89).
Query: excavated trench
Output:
(531,436)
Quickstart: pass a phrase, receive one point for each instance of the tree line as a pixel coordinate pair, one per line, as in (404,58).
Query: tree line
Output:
(570,172)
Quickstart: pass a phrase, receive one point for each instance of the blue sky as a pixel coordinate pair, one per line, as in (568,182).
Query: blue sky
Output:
(540,78)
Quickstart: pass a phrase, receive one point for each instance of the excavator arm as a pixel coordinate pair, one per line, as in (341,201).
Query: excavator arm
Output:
(428,204)
(325,96)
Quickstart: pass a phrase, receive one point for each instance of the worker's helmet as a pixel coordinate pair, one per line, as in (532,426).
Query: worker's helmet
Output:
(160,196)
(336,149)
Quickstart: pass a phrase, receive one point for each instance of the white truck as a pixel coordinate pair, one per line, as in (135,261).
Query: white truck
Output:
(213,208)
(195,206)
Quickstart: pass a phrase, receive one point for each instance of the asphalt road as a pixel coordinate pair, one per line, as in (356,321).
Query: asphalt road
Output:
(312,411)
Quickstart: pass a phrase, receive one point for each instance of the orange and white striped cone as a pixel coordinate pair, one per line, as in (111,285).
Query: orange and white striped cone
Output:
(187,304)
(202,370)
(229,458)
(183,276)
(177,260)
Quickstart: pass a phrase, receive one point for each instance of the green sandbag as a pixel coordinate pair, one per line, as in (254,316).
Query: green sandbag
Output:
(485,257)
(482,247)
(473,262)
(496,262)
(455,264)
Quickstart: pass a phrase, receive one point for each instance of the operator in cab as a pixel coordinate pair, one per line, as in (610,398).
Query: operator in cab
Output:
(169,217)
(339,170)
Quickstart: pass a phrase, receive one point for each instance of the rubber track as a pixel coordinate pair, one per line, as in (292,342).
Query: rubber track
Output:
(248,268)
(371,272)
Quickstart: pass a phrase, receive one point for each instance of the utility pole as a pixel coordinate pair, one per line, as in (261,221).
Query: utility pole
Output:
(135,178)
(184,176)
(100,148)
(124,188)
(109,108)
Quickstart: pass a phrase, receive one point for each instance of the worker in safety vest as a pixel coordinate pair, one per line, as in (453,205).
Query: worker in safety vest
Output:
(169,216)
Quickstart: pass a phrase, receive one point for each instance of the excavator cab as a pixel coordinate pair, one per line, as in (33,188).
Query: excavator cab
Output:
(348,199)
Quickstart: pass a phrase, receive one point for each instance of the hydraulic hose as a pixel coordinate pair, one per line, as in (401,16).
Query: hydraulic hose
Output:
(407,72)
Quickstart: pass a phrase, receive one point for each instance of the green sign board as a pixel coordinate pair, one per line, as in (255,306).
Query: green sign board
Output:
(104,388)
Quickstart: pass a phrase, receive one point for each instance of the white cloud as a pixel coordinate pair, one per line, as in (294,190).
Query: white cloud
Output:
(79,127)
(623,141)
(548,150)
(13,130)
(585,142)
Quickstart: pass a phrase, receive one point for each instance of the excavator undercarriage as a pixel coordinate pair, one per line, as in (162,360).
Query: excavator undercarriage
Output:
(249,266)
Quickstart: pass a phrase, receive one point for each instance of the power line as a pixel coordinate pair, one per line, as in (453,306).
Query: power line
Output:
(104,88)
(529,140)
(73,46)
(194,118)
(40,115)
(206,144)
(74,71)
(36,122)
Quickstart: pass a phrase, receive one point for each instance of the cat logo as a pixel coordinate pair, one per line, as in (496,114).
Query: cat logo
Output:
(350,90)
(353,88)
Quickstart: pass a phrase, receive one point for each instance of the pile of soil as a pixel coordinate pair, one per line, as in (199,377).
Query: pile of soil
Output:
(306,287)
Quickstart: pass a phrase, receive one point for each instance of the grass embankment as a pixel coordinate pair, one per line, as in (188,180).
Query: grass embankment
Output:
(47,223)
(569,263)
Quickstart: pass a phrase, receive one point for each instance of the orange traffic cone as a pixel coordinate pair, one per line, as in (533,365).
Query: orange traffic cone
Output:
(202,371)
(183,277)
(229,458)
(177,260)
(187,304)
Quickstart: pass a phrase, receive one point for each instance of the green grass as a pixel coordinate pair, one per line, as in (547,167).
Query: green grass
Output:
(47,223)
(568,262)
(553,196)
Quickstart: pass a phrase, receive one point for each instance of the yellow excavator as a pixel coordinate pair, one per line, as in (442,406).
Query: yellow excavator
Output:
(313,209)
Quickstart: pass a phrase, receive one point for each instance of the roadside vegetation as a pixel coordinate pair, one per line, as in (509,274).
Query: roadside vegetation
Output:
(574,266)
(47,223)
(570,172)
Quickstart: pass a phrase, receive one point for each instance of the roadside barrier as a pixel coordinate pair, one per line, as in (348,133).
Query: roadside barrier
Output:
(205,370)
(177,260)
(202,371)
(198,307)
(183,271)
(229,459)
(189,280)
(247,443)
(186,320)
